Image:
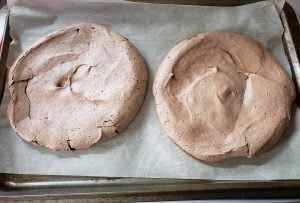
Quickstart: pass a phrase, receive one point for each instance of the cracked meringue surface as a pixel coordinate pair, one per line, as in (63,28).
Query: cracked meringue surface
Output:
(75,87)
(220,95)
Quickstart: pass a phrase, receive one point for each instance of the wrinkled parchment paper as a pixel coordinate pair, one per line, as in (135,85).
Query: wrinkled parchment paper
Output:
(143,150)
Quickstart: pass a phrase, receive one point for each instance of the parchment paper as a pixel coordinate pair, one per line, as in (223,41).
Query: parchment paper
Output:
(143,150)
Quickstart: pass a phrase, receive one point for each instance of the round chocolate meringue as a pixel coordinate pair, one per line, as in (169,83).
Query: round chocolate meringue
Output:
(220,95)
(76,87)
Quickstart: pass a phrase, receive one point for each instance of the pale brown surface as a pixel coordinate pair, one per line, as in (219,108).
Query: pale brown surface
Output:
(76,87)
(221,95)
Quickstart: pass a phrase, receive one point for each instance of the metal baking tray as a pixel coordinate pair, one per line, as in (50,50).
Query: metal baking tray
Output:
(76,188)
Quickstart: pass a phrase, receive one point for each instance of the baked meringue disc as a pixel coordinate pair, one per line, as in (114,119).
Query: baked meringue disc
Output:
(75,87)
(220,95)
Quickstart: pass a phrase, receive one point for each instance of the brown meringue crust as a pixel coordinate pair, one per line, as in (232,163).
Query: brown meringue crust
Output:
(220,95)
(75,87)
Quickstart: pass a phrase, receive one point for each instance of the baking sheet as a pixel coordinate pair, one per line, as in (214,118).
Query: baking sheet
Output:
(143,150)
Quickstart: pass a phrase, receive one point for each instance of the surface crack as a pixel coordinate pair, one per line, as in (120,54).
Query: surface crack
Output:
(69,145)
(258,70)
(90,67)
(35,142)
(247,145)
(28,100)
(22,80)
(229,54)
(25,92)
(113,125)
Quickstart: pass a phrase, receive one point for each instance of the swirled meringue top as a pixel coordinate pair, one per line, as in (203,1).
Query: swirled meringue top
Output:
(75,87)
(221,95)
